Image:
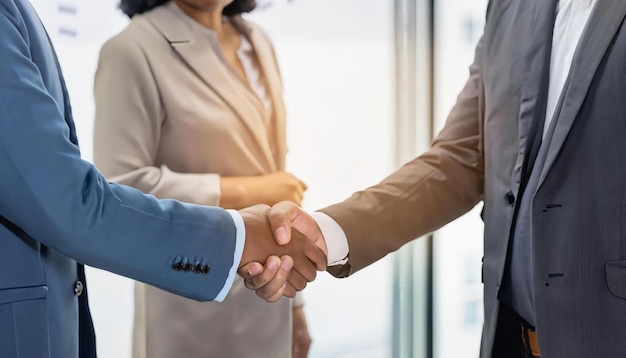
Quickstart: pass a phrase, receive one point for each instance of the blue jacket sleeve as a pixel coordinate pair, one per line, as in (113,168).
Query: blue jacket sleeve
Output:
(66,204)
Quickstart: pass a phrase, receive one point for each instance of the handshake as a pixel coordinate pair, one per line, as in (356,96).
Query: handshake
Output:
(284,249)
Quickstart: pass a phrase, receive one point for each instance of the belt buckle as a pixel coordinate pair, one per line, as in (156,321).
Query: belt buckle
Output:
(529,339)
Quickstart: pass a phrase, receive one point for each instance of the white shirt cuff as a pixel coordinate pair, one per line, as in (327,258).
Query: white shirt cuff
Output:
(336,240)
(239,244)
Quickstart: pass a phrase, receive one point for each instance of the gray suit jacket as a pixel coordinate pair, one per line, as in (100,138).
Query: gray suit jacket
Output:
(578,247)
(170,119)
(69,213)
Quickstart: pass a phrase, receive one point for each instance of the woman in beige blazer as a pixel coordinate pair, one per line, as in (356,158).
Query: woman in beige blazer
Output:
(189,106)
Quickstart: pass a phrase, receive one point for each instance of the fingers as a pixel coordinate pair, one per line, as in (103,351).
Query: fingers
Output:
(303,267)
(270,284)
(268,281)
(300,182)
(276,296)
(250,270)
(317,255)
(289,291)
(298,192)
(257,275)
(308,274)
(308,258)
(303,185)
(297,281)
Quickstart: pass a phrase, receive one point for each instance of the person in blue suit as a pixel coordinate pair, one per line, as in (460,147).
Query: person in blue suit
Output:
(58,213)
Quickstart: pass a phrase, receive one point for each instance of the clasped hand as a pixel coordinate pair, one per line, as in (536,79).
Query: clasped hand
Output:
(284,249)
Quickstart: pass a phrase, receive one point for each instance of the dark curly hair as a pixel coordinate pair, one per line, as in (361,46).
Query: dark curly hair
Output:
(134,7)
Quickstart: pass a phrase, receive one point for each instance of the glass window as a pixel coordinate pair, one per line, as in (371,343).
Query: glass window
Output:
(457,288)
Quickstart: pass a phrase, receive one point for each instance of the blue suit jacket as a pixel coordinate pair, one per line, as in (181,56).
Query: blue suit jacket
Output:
(69,213)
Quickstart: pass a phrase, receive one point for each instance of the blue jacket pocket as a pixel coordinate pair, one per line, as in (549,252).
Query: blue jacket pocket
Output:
(24,323)
(22,294)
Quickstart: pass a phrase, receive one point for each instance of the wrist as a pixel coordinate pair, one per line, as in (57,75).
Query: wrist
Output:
(234,193)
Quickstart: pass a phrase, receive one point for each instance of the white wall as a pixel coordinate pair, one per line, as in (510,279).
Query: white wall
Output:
(337,64)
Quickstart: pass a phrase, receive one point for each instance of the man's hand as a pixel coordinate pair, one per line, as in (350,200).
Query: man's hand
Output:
(286,216)
(272,278)
(287,221)
(300,253)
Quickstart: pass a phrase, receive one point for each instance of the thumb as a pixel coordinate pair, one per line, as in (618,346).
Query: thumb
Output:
(281,216)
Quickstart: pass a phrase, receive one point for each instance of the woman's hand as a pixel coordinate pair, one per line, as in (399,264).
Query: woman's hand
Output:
(301,337)
(269,189)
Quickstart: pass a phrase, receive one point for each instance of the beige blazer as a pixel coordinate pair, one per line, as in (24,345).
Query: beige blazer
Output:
(171,118)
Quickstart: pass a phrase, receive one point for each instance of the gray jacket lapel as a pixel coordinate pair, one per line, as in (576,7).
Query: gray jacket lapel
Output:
(602,27)
(535,77)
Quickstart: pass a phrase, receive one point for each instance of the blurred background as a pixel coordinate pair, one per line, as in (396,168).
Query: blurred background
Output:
(368,83)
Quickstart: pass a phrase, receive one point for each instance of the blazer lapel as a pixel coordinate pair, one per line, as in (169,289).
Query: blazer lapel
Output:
(269,68)
(187,41)
(536,74)
(602,27)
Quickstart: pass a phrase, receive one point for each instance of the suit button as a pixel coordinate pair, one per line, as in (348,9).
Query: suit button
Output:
(196,267)
(78,288)
(185,264)
(177,265)
(206,269)
(510,198)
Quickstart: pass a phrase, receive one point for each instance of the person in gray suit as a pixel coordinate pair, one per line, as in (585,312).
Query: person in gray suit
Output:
(538,134)
(57,212)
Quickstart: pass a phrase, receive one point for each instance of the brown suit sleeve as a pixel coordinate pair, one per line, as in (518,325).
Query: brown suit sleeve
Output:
(423,195)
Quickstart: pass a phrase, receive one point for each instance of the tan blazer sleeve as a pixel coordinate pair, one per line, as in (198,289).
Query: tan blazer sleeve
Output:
(127,128)
(423,195)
